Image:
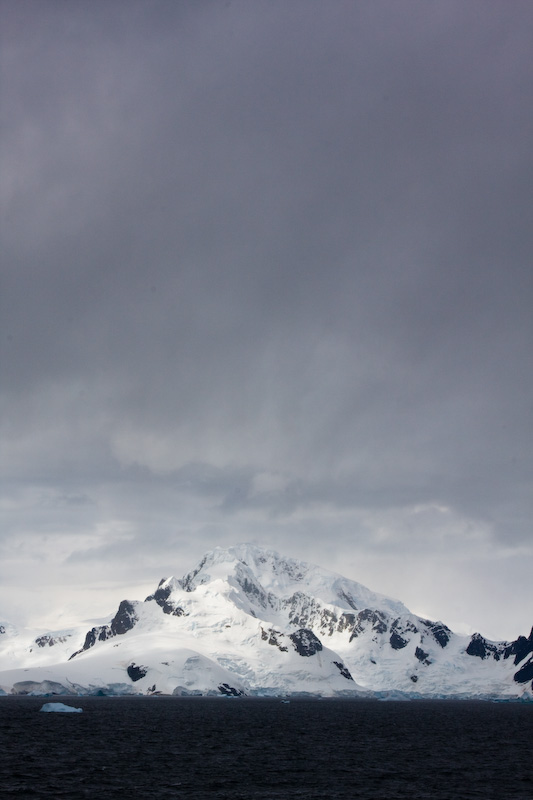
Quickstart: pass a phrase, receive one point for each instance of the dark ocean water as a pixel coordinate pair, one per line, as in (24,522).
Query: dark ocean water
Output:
(162,747)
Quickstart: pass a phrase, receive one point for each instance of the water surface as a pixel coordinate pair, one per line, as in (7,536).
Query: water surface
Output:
(264,749)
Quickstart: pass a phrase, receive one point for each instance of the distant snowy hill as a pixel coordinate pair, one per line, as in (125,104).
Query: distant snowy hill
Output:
(248,621)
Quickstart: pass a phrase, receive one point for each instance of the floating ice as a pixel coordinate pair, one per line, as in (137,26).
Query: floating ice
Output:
(60,707)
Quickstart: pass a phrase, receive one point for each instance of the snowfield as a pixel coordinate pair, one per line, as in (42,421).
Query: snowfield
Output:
(247,621)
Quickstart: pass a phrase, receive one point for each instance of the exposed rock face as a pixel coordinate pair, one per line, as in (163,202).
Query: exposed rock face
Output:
(274,638)
(346,622)
(188,581)
(252,588)
(305,612)
(400,633)
(161,595)
(440,632)
(422,657)
(136,672)
(520,648)
(347,597)
(377,620)
(305,642)
(123,621)
(50,641)
(525,673)
(228,690)
(397,642)
(344,671)
(481,648)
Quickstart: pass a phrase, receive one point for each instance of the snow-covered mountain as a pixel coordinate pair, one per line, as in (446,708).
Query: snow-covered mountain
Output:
(248,621)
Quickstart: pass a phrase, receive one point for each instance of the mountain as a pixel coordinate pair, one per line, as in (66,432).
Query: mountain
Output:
(247,621)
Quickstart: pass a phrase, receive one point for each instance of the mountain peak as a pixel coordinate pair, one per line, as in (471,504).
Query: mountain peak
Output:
(284,577)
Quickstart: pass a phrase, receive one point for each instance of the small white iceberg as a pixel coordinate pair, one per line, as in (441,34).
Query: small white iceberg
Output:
(60,707)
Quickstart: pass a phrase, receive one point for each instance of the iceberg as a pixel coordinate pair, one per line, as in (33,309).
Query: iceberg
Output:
(60,707)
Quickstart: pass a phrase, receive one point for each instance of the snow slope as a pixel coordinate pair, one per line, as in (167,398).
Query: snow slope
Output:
(248,621)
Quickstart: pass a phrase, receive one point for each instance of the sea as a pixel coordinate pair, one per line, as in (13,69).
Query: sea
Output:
(141,748)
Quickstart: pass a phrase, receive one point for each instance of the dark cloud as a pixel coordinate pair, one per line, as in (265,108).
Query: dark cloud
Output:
(267,275)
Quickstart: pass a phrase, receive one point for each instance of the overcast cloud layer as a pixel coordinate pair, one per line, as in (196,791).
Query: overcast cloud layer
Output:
(267,276)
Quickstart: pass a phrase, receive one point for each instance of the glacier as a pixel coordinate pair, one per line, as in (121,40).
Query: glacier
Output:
(247,621)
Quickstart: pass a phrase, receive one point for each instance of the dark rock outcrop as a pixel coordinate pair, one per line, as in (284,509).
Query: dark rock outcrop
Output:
(397,642)
(422,656)
(440,632)
(123,621)
(275,638)
(50,641)
(305,642)
(187,582)
(344,671)
(368,618)
(253,590)
(136,672)
(229,691)
(161,596)
(481,648)
(520,648)
(400,633)
(305,612)
(346,621)
(343,595)
(525,673)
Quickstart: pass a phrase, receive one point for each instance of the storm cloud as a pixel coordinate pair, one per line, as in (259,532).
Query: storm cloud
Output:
(267,276)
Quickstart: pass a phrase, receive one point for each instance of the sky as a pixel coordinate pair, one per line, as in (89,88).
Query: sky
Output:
(267,276)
